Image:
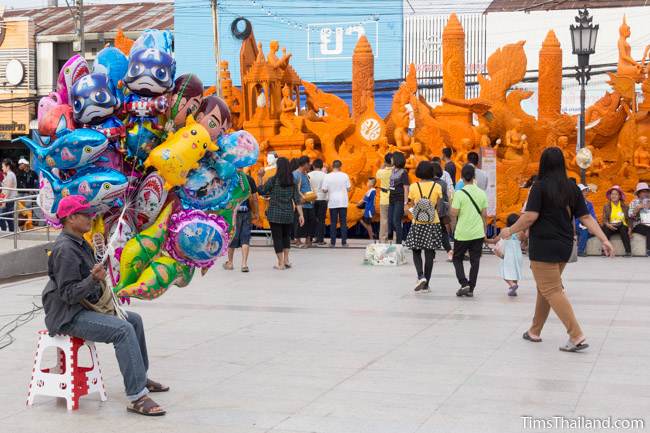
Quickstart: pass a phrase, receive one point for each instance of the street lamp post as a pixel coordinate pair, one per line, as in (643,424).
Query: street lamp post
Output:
(583,40)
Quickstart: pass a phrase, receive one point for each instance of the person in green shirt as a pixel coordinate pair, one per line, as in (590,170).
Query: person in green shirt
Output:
(468,213)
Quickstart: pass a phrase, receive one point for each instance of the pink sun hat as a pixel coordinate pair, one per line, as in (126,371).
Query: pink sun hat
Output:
(615,188)
(71,205)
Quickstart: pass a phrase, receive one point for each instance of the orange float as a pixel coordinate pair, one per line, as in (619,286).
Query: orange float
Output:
(268,104)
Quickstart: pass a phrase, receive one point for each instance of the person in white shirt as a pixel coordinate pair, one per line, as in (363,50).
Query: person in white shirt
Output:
(316,177)
(481,177)
(337,185)
(9,190)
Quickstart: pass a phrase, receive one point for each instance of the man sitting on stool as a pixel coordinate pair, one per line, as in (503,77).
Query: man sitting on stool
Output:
(77,302)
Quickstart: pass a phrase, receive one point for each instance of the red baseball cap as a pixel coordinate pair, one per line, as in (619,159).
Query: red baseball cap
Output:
(71,205)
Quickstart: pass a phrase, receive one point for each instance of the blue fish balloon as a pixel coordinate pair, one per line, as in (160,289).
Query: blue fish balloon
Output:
(102,187)
(70,149)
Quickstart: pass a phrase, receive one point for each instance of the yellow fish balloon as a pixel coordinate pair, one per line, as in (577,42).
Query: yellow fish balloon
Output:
(181,153)
(159,276)
(141,249)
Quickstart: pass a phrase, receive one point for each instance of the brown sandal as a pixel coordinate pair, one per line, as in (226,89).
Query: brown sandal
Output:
(155,386)
(145,406)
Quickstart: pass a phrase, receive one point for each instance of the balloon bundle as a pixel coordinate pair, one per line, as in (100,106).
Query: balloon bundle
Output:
(153,158)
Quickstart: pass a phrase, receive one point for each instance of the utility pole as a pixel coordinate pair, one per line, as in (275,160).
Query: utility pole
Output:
(217,50)
(77,13)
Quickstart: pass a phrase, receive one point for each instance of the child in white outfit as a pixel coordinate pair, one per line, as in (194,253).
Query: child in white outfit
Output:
(509,250)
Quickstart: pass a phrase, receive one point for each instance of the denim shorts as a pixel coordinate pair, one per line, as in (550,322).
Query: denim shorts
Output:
(242,234)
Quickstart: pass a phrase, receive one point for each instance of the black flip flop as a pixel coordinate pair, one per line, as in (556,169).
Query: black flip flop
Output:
(527,336)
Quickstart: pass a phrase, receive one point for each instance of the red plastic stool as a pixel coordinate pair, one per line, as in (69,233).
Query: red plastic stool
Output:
(67,379)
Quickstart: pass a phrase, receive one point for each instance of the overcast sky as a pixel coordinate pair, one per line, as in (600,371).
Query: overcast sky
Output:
(419,6)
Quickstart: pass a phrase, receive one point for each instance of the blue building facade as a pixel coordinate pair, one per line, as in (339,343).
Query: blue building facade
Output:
(320,35)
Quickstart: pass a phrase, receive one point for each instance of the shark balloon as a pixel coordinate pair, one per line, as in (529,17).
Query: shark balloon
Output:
(102,187)
(69,149)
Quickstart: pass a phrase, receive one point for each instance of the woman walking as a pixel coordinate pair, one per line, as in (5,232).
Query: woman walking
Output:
(554,201)
(284,198)
(425,234)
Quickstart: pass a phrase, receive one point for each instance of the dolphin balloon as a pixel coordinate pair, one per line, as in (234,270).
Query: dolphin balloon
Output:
(70,149)
(102,187)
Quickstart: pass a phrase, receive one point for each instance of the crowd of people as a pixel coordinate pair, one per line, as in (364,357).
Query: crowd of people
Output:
(619,218)
(298,195)
(12,182)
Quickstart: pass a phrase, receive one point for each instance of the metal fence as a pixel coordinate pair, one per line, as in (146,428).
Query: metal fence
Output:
(22,214)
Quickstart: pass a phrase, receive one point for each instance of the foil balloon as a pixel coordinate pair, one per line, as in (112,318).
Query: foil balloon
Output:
(185,99)
(160,275)
(95,104)
(214,115)
(196,238)
(239,148)
(112,62)
(162,40)
(110,158)
(240,192)
(47,103)
(205,190)
(70,149)
(180,153)
(102,187)
(120,229)
(224,169)
(141,138)
(53,118)
(93,99)
(149,200)
(140,250)
(75,68)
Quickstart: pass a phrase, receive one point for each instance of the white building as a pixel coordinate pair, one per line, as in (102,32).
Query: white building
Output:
(493,24)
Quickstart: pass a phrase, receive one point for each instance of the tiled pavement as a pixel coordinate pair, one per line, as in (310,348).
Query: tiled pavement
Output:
(333,346)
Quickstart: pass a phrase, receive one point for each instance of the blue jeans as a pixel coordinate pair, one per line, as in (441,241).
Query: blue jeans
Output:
(395,215)
(7,216)
(583,237)
(128,339)
(341,214)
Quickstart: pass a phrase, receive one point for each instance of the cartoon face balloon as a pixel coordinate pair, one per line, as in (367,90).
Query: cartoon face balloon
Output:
(186,98)
(151,72)
(93,99)
(196,238)
(214,115)
(180,153)
(239,148)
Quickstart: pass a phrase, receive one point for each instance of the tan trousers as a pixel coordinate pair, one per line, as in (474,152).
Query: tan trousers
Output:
(550,294)
(383,222)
